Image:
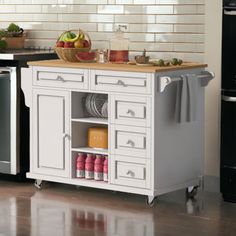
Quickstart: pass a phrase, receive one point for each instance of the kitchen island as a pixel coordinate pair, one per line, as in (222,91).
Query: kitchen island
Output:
(150,152)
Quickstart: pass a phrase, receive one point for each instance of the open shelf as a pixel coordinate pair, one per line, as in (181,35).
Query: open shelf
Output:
(90,150)
(92,120)
(79,110)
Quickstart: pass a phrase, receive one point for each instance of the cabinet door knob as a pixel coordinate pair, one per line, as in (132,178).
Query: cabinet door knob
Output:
(131,143)
(131,173)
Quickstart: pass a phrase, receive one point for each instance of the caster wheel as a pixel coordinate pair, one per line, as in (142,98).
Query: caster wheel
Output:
(191,192)
(150,201)
(38,184)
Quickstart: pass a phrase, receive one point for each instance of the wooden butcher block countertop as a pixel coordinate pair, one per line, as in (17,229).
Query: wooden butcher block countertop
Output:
(116,67)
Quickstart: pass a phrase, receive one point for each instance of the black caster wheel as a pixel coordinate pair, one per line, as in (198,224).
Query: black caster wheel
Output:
(191,192)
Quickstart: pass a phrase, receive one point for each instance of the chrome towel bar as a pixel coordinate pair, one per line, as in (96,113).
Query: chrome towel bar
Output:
(206,76)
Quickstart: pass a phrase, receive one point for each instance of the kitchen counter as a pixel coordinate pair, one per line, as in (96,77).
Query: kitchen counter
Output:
(150,152)
(116,67)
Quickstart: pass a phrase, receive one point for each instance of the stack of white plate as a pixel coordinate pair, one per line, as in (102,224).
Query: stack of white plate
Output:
(97,105)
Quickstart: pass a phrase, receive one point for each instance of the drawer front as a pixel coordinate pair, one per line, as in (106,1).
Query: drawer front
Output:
(127,110)
(131,141)
(122,82)
(130,171)
(60,78)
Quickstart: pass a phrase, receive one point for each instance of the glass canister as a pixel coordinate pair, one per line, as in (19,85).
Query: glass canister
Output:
(119,47)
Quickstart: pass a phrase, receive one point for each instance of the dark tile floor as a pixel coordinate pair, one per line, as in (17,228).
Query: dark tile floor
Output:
(66,210)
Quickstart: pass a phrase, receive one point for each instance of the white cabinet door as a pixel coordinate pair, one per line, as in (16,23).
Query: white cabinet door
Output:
(51,140)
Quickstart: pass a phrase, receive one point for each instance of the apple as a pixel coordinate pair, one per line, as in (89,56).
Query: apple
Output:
(78,44)
(85,43)
(60,44)
(68,45)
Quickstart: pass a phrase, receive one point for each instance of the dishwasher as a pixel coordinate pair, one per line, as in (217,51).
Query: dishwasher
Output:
(8,120)
(14,114)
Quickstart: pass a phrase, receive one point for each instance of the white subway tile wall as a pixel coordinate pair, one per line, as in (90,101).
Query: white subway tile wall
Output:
(165,28)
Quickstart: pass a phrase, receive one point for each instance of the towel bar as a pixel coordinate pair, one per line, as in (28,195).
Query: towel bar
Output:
(166,80)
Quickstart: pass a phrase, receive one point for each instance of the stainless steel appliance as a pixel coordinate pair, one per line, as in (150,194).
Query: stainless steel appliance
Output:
(228,103)
(14,115)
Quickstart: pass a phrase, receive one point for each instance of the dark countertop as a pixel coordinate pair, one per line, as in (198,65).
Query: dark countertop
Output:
(27,54)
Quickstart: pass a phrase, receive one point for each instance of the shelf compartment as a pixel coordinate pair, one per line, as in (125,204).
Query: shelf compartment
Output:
(78,107)
(83,181)
(91,120)
(79,138)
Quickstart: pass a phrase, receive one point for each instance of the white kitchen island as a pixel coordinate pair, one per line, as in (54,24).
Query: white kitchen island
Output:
(149,153)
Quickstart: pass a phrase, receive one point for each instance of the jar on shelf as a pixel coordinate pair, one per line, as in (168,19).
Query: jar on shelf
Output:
(119,47)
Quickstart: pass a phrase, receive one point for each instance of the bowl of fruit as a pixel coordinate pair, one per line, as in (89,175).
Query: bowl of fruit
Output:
(69,44)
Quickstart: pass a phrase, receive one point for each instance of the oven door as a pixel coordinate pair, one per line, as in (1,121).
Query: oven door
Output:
(229,49)
(8,121)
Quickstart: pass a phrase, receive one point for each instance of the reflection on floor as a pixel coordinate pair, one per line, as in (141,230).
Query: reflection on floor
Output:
(62,210)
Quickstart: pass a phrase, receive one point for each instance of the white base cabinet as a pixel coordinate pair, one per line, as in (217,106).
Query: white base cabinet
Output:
(149,152)
(50,134)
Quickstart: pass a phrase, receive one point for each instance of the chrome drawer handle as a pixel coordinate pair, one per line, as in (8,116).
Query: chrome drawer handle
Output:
(59,78)
(131,143)
(131,173)
(120,82)
(132,113)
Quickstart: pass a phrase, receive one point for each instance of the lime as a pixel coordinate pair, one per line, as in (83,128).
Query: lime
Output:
(174,61)
(3,44)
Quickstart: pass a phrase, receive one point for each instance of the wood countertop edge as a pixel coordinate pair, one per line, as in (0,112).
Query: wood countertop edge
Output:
(115,67)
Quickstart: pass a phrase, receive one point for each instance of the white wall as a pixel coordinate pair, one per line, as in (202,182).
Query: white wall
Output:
(165,28)
(213,58)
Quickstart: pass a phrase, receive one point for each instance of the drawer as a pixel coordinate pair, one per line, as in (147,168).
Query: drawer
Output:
(130,171)
(127,110)
(131,141)
(60,78)
(122,82)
